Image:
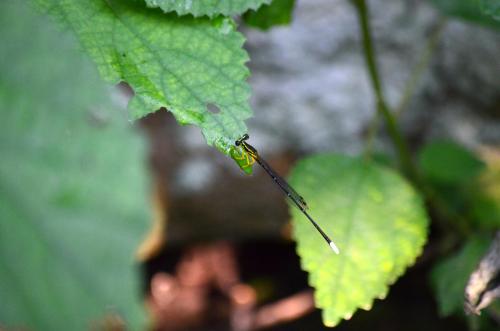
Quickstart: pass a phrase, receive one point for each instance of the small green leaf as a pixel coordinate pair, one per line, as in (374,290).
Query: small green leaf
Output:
(491,8)
(468,10)
(206,7)
(279,12)
(449,277)
(448,163)
(377,220)
(183,64)
(72,186)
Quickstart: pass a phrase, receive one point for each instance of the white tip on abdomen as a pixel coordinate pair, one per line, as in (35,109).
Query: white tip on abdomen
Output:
(334,247)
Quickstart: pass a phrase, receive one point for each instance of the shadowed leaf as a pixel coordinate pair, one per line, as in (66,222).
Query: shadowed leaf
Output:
(448,163)
(450,276)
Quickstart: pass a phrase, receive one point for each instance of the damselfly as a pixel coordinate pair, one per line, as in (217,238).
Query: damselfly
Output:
(289,191)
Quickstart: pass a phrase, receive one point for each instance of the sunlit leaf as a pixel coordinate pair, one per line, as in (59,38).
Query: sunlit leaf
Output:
(185,64)
(72,195)
(376,219)
(206,7)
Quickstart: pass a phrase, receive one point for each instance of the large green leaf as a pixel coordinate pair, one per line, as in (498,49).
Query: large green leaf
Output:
(468,10)
(376,219)
(450,276)
(278,12)
(206,7)
(185,64)
(72,202)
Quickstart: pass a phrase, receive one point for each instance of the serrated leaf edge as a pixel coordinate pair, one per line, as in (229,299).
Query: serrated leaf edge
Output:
(253,7)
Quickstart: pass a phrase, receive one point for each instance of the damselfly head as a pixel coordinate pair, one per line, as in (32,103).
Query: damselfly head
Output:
(242,139)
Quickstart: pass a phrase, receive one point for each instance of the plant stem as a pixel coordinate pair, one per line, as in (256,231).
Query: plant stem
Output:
(382,108)
(421,67)
(410,85)
(383,111)
(370,137)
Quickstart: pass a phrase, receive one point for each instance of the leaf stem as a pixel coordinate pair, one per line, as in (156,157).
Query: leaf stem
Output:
(383,109)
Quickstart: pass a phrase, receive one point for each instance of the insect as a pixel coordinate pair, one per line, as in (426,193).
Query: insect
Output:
(244,161)
(297,199)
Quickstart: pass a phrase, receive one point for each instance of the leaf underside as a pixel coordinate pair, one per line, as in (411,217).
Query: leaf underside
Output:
(184,64)
(376,219)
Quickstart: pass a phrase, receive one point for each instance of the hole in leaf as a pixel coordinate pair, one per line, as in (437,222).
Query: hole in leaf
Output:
(212,107)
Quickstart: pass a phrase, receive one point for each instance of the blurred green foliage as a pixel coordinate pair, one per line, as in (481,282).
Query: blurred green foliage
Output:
(451,172)
(447,163)
(485,197)
(72,193)
(450,275)
(463,182)
(469,10)
(377,220)
(491,8)
(470,188)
